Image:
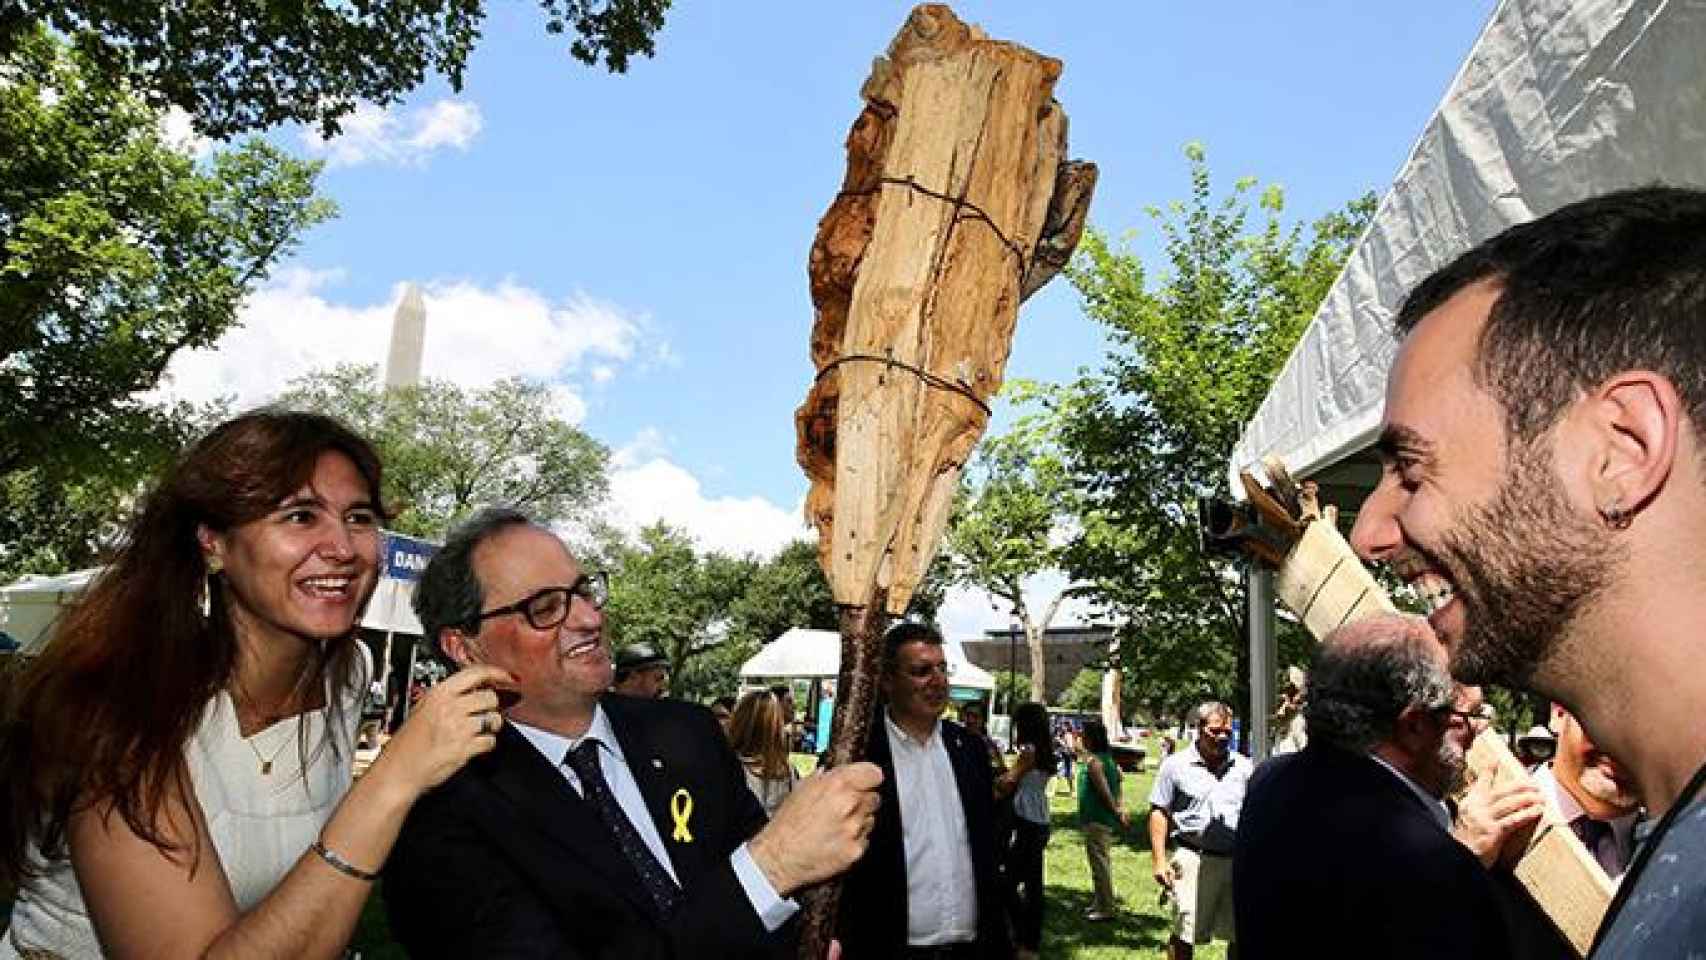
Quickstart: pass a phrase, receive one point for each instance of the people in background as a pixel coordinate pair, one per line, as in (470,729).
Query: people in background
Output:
(756,733)
(1026,782)
(1100,812)
(1194,805)
(642,672)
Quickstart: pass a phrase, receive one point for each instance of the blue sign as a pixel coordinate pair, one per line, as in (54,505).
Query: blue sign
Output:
(406,557)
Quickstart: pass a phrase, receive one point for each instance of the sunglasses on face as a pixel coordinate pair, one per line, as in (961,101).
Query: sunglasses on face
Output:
(547,608)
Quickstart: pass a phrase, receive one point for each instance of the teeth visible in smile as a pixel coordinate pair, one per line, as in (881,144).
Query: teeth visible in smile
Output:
(580,648)
(1435,590)
(333,585)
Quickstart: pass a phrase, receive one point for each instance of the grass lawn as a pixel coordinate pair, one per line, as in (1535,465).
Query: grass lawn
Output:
(1144,923)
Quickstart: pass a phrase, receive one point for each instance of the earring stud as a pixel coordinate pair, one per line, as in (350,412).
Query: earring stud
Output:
(1615,516)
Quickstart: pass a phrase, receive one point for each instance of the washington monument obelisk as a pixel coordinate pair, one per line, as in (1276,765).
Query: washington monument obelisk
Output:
(408,331)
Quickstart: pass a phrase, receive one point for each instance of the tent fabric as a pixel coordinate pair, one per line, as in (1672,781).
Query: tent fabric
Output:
(816,654)
(1558,100)
(29,606)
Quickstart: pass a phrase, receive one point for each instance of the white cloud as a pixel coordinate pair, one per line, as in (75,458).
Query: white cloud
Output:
(373,134)
(474,335)
(646,487)
(177,128)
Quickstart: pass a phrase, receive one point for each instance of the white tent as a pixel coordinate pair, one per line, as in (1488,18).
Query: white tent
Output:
(1559,100)
(816,655)
(29,607)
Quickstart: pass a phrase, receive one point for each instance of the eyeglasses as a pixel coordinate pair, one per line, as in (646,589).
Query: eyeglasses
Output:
(1480,716)
(549,607)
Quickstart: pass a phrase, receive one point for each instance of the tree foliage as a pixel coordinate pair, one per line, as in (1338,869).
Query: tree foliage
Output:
(1015,511)
(665,593)
(448,451)
(236,67)
(1193,352)
(116,251)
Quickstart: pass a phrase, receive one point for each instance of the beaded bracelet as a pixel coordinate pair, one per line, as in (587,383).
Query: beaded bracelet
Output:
(341,865)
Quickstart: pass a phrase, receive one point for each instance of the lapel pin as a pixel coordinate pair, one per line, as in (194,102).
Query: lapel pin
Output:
(680,809)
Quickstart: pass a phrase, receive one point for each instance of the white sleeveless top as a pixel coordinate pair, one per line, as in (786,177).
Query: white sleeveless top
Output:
(260,823)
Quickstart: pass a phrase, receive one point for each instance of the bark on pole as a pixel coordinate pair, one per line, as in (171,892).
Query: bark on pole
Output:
(958,203)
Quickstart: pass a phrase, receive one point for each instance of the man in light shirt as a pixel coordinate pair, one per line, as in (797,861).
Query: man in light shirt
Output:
(928,885)
(599,826)
(1593,792)
(1194,805)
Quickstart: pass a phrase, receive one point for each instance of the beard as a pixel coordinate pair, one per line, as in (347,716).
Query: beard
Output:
(1525,565)
(1453,765)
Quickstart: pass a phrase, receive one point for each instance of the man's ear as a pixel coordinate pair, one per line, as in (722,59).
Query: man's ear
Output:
(1634,420)
(456,645)
(1416,730)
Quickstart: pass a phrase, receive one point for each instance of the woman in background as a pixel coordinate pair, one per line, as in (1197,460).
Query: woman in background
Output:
(1099,812)
(175,767)
(1027,783)
(756,732)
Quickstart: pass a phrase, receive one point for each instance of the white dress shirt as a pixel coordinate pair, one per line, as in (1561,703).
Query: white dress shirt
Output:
(772,909)
(941,891)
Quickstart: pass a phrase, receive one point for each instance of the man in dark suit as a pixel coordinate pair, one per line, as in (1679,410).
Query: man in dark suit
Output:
(1345,848)
(598,826)
(928,885)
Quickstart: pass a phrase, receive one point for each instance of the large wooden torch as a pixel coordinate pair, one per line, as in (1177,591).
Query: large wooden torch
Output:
(957,205)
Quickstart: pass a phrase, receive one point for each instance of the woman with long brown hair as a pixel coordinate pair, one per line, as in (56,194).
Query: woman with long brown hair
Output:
(757,734)
(175,765)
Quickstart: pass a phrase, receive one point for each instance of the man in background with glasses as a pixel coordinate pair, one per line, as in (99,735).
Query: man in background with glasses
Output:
(928,888)
(600,826)
(1345,848)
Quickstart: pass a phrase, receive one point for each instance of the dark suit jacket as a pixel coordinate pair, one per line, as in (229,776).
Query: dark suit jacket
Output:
(1337,858)
(873,901)
(506,860)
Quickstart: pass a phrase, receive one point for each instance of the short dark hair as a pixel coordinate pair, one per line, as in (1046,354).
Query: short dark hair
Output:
(1616,282)
(449,594)
(1358,687)
(903,633)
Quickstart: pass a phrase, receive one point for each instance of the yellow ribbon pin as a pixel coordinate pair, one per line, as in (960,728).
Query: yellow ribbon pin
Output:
(681,808)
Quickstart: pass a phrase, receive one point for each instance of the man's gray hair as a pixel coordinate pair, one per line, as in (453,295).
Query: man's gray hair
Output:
(1366,674)
(1208,710)
(449,595)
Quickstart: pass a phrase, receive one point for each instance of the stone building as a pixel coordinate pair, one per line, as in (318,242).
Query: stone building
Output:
(1066,651)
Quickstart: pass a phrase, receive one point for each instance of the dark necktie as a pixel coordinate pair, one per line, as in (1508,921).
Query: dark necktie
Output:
(583,760)
(1591,832)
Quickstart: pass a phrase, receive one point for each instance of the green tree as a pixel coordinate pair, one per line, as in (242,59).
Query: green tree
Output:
(1012,519)
(448,451)
(1192,355)
(665,593)
(1084,692)
(247,66)
(787,591)
(116,251)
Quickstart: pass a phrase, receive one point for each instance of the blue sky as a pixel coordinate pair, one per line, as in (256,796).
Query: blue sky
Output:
(640,240)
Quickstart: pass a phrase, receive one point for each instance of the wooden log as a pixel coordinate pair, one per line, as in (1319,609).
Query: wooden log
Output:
(956,203)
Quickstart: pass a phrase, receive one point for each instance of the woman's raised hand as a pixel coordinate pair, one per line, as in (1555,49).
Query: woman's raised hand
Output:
(455,721)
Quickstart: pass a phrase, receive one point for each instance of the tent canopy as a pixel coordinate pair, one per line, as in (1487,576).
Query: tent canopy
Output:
(1558,101)
(816,655)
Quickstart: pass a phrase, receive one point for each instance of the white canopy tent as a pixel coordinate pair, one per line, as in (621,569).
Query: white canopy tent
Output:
(816,655)
(1559,100)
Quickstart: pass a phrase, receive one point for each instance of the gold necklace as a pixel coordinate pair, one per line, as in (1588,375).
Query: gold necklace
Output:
(266,762)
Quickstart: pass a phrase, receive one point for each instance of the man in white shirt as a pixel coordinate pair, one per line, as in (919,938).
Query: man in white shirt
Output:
(934,836)
(1194,804)
(598,826)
